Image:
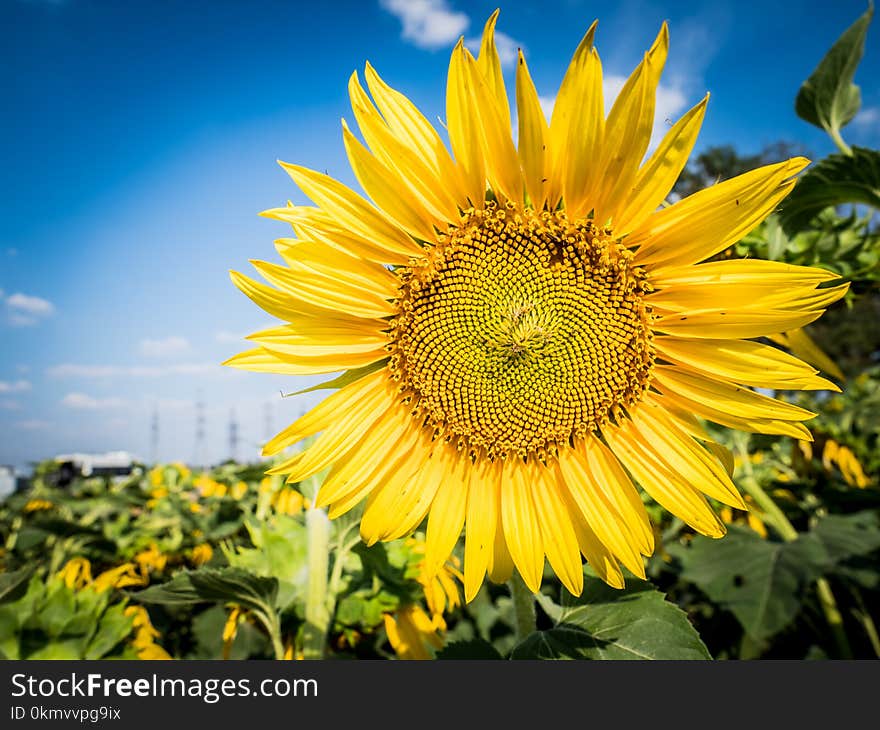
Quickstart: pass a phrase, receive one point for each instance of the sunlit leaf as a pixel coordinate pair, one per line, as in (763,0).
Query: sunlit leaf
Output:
(829,98)
(606,623)
(837,180)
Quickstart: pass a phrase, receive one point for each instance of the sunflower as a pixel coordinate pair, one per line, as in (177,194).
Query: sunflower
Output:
(528,332)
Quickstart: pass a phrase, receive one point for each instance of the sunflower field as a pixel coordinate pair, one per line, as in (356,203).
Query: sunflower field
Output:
(296,557)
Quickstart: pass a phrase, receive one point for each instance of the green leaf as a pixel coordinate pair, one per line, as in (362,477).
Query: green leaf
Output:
(847,536)
(761,582)
(471,649)
(606,623)
(14,585)
(836,180)
(113,628)
(68,649)
(829,98)
(232,585)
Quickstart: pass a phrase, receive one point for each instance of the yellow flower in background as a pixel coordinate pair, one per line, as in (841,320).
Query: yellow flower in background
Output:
(145,634)
(751,518)
(209,487)
(287,501)
(157,476)
(846,461)
(151,558)
(412,634)
(440,588)
(230,629)
(37,505)
(529,334)
(238,490)
(201,554)
(76,573)
(121,576)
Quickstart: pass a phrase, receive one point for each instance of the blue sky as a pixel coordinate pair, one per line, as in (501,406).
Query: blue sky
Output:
(139,143)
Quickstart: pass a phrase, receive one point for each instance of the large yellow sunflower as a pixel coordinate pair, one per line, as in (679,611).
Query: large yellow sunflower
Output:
(528,331)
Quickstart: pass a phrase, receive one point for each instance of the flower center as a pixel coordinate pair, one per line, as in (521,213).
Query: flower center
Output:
(522,329)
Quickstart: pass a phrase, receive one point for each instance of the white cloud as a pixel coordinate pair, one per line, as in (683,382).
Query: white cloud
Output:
(25,310)
(427,23)
(30,305)
(17,386)
(867,117)
(173,345)
(71,370)
(11,252)
(84,402)
(33,425)
(9,405)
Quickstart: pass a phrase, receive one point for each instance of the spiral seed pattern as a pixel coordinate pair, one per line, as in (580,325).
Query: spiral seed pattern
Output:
(520,330)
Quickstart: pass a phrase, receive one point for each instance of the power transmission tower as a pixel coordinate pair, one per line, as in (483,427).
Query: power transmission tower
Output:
(233,436)
(199,455)
(267,414)
(154,435)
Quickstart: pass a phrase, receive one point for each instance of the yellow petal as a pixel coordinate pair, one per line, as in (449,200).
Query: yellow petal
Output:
(352,211)
(493,132)
(446,517)
(628,131)
(305,257)
(411,169)
(310,337)
(522,532)
(558,536)
(701,225)
(435,470)
(416,132)
(262,360)
(657,176)
(742,272)
(533,134)
(482,518)
(387,193)
(364,467)
(464,128)
(326,292)
(669,444)
(597,510)
(567,144)
(802,346)
(595,552)
(726,416)
(324,413)
(500,566)
(313,224)
(741,361)
(714,323)
(725,396)
(661,482)
(339,437)
(489,66)
(403,502)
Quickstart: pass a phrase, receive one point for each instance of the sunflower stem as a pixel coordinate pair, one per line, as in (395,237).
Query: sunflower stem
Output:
(787,531)
(523,607)
(317,611)
(844,148)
